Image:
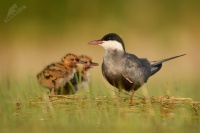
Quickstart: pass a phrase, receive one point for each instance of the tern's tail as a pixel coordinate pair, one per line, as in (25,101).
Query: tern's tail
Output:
(156,65)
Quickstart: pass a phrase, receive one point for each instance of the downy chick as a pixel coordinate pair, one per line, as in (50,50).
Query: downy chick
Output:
(58,74)
(81,76)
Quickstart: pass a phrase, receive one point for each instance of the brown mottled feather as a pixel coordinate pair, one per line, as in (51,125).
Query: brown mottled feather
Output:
(57,74)
(82,75)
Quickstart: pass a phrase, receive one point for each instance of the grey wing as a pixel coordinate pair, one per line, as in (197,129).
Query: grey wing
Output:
(136,70)
(155,67)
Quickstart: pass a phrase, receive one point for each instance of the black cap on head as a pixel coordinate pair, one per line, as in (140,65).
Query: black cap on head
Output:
(113,36)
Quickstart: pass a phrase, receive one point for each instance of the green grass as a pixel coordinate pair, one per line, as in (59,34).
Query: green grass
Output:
(26,107)
(166,26)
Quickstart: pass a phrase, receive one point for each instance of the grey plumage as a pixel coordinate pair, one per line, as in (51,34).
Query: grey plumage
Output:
(156,65)
(124,70)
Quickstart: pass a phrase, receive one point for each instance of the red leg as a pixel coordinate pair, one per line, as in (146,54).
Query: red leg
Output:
(131,98)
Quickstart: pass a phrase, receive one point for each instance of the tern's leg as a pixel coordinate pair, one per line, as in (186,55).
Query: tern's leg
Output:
(131,98)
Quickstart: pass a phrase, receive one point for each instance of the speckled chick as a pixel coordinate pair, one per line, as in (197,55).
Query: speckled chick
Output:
(81,76)
(58,74)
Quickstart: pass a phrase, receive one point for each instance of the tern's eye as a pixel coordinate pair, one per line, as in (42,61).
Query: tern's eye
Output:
(108,39)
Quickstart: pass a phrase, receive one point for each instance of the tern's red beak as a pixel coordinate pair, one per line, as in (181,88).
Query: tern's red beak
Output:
(96,42)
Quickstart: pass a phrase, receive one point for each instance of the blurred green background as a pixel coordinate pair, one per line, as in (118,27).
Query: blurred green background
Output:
(46,30)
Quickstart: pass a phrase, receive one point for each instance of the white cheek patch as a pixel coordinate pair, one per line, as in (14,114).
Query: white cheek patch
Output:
(113,45)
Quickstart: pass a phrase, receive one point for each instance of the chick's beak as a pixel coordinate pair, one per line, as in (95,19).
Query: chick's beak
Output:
(96,42)
(75,62)
(94,64)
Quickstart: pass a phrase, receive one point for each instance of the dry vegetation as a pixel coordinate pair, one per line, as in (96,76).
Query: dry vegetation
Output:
(45,31)
(166,106)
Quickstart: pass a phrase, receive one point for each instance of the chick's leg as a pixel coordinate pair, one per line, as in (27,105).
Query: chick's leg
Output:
(52,92)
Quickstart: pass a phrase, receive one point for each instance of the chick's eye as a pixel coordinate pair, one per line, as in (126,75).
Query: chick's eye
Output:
(85,62)
(72,59)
